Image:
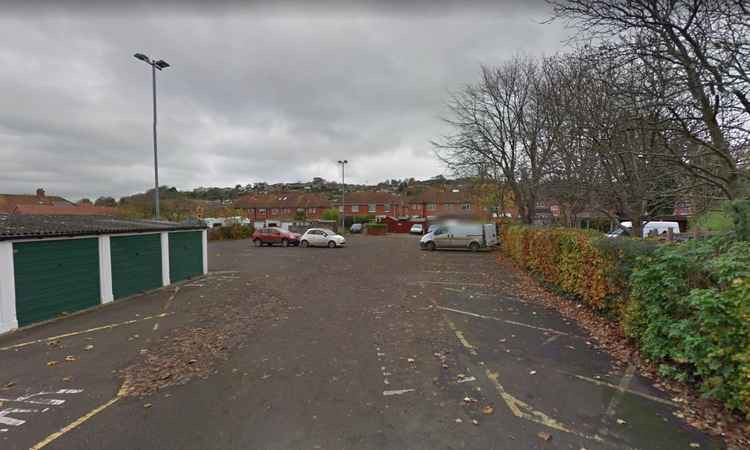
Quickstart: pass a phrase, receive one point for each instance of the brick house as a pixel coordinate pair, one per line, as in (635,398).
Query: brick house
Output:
(283,206)
(9,202)
(436,203)
(364,203)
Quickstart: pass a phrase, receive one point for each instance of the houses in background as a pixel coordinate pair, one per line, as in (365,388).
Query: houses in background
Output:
(42,204)
(283,206)
(371,203)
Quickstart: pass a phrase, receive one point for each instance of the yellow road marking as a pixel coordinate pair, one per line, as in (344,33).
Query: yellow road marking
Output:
(461,338)
(525,411)
(90,330)
(122,392)
(46,441)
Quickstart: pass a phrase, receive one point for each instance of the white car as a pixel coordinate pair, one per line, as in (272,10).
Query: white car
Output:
(416,229)
(321,237)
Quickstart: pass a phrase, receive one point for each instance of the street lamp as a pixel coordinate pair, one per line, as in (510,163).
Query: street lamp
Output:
(343,190)
(155,64)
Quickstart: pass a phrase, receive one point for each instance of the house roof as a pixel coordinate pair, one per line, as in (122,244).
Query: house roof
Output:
(439,196)
(26,226)
(283,200)
(8,202)
(366,197)
(68,210)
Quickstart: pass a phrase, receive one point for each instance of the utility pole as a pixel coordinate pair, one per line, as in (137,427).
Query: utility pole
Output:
(160,64)
(343,164)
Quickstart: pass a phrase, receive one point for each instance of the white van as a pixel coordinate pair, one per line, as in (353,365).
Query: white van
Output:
(649,228)
(472,236)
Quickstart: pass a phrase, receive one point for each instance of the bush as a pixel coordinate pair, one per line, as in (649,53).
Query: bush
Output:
(581,263)
(231,232)
(330,214)
(376,229)
(689,310)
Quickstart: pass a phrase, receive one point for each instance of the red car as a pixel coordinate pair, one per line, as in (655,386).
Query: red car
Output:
(273,235)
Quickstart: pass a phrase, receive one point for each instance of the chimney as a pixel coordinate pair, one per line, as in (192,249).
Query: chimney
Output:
(40,194)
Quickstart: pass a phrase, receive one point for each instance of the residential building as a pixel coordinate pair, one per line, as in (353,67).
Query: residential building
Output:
(436,203)
(370,203)
(283,206)
(9,202)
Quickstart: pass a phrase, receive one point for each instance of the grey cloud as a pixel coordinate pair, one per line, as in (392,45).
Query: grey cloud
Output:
(258,93)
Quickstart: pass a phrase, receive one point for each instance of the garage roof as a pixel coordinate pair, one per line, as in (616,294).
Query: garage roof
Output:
(22,226)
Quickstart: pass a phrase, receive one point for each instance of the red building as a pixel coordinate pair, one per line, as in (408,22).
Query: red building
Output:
(283,206)
(370,203)
(436,203)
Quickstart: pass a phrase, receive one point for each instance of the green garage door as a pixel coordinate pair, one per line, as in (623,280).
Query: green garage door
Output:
(55,277)
(185,255)
(136,264)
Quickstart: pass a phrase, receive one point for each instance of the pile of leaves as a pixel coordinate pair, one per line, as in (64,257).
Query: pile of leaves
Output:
(689,311)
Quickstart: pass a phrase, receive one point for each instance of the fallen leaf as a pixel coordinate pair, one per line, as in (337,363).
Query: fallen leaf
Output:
(487,410)
(51,363)
(475,422)
(147,405)
(621,422)
(70,358)
(459,421)
(89,347)
(544,435)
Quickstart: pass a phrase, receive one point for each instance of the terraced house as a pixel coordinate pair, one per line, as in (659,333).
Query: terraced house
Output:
(283,206)
(436,203)
(364,203)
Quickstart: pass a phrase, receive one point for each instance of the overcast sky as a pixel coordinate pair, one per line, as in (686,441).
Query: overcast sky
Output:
(254,93)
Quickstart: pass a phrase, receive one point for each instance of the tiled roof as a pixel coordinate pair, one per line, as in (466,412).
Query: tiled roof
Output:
(23,226)
(438,196)
(366,197)
(8,202)
(283,200)
(69,210)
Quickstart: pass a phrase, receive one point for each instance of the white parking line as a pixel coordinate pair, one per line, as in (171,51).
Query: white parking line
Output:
(509,322)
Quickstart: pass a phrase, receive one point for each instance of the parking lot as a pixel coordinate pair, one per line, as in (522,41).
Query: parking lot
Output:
(376,345)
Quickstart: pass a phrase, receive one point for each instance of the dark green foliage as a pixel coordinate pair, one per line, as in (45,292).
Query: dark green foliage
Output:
(231,232)
(689,310)
(739,210)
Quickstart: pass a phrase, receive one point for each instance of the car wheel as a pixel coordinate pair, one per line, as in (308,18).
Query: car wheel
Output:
(304,244)
(331,244)
(474,247)
(257,243)
(431,246)
(284,243)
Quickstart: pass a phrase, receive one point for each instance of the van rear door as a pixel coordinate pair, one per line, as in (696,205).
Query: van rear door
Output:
(490,234)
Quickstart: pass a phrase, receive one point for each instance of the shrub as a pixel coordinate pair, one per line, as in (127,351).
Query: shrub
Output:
(231,232)
(330,214)
(376,229)
(689,310)
(577,262)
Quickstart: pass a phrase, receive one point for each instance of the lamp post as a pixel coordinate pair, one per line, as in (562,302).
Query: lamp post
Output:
(155,64)
(343,190)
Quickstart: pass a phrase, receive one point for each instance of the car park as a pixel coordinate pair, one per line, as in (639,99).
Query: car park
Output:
(472,236)
(356,228)
(417,228)
(322,237)
(275,236)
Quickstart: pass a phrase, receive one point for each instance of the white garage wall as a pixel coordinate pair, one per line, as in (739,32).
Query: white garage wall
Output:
(8,319)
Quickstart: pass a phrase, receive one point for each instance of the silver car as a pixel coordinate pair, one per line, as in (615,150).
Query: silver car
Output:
(321,237)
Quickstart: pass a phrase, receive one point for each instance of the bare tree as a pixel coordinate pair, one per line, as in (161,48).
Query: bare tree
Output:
(697,53)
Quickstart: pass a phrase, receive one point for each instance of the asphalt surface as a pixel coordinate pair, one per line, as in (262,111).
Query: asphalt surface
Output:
(375,346)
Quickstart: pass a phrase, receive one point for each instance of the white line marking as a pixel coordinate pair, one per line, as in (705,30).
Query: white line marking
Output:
(90,330)
(5,420)
(629,391)
(510,322)
(397,392)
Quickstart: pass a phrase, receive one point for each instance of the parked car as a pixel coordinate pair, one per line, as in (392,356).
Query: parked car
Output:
(356,228)
(272,235)
(417,228)
(472,236)
(649,228)
(322,237)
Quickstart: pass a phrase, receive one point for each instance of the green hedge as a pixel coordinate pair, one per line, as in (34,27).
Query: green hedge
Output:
(686,305)
(689,311)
